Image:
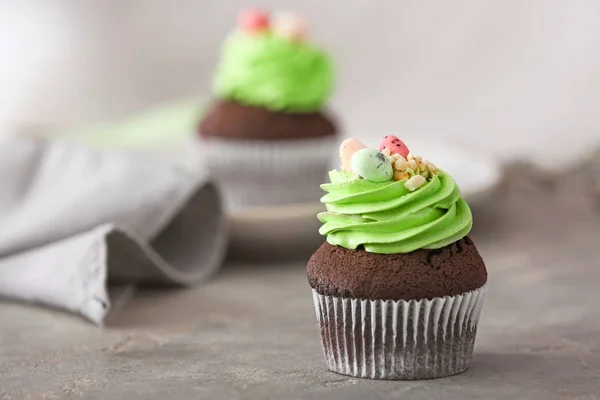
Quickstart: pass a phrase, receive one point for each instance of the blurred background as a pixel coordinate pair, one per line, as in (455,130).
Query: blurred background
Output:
(505,77)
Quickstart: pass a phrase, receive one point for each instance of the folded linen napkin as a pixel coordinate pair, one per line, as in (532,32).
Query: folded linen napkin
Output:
(73,217)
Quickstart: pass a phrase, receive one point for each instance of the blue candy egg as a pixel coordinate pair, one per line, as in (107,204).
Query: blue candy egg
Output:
(372,165)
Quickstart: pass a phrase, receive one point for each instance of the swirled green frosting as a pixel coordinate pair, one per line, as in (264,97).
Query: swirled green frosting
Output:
(387,218)
(267,70)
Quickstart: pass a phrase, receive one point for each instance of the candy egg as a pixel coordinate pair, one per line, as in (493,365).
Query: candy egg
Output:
(372,165)
(253,20)
(395,145)
(290,26)
(347,150)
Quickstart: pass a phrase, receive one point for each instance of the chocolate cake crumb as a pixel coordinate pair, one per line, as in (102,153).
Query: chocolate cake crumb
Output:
(231,120)
(459,247)
(421,274)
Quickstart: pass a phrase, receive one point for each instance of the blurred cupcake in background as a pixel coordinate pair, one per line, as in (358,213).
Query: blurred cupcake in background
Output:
(267,126)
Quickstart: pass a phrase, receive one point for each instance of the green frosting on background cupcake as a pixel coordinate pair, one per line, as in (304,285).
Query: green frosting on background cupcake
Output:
(387,218)
(271,71)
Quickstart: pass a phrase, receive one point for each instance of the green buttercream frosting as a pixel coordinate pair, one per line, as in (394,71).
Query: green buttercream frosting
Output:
(268,70)
(387,218)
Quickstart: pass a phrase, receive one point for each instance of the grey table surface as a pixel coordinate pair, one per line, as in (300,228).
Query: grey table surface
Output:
(251,332)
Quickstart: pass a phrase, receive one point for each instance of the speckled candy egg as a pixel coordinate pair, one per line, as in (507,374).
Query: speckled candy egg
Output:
(347,150)
(372,165)
(395,145)
(290,25)
(253,20)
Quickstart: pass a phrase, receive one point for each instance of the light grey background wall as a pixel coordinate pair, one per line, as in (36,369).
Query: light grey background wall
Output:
(507,77)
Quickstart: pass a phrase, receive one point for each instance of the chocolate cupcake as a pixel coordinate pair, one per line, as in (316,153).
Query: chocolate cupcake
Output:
(398,286)
(267,125)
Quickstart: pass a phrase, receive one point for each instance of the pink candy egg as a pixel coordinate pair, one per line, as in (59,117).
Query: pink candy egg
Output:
(253,20)
(347,150)
(395,145)
(290,26)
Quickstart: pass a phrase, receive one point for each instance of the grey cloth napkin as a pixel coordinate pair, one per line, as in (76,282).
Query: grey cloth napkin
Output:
(74,218)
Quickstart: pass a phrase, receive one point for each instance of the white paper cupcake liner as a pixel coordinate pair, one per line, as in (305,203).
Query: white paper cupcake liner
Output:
(400,340)
(270,172)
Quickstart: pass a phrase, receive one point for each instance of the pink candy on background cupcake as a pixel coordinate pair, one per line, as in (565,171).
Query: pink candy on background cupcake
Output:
(267,126)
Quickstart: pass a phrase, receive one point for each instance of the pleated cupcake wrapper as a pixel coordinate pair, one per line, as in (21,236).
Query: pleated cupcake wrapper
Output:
(400,340)
(263,173)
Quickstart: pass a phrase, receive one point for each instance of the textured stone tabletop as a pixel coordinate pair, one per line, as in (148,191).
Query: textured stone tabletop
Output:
(251,333)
